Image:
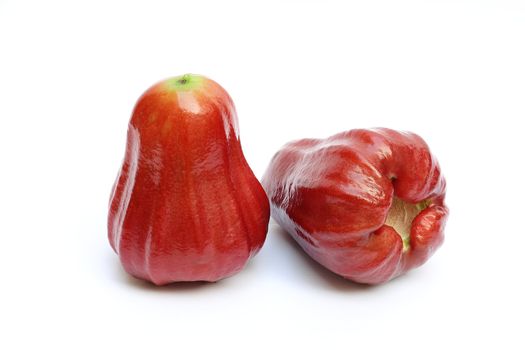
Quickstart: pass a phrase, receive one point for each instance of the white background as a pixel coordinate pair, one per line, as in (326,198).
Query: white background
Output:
(70,73)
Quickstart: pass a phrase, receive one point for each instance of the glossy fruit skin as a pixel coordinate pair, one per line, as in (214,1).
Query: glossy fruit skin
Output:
(186,206)
(333,196)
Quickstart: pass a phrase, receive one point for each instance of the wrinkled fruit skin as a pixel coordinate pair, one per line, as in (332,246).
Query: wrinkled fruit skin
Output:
(333,197)
(186,206)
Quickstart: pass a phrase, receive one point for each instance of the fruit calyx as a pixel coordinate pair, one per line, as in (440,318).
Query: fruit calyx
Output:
(401,215)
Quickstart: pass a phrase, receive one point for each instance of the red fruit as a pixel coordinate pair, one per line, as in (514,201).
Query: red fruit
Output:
(186,206)
(366,204)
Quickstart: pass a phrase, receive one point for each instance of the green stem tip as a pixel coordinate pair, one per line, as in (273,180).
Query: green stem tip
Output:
(185,82)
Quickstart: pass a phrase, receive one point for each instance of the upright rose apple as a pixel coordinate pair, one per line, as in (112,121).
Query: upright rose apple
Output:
(186,206)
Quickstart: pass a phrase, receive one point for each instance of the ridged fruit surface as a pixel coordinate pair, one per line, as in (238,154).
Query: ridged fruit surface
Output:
(366,204)
(186,206)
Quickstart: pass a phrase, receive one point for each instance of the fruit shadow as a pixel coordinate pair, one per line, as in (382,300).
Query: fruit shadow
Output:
(183,287)
(325,276)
